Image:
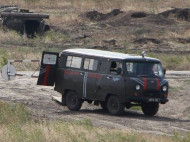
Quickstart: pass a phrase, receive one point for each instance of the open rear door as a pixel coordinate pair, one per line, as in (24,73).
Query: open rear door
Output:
(48,68)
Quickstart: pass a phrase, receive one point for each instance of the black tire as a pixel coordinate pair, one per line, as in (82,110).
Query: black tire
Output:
(150,109)
(63,100)
(103,105)
(114,106)
(73,102)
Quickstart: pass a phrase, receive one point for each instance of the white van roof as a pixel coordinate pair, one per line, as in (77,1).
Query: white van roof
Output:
(106,54)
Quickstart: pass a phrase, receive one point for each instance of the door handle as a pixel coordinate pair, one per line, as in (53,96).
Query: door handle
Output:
(108,77)
(81,73)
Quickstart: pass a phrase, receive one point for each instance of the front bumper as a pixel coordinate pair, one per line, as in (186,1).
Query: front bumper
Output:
(148,99)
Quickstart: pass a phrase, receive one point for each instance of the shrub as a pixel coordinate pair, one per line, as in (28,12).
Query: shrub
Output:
(3,60)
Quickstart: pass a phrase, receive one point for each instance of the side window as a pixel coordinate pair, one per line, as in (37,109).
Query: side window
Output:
(116,68)
(90,64)
(73,61)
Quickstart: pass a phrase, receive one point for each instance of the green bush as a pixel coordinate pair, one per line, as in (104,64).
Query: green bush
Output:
(3,60)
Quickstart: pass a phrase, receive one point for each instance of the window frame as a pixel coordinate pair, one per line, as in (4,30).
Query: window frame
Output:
(89,64)
(81,62)
(98,63)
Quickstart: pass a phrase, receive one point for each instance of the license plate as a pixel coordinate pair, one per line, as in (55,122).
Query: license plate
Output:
(154,100)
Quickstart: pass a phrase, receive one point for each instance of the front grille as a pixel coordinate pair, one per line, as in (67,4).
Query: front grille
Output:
(152,94)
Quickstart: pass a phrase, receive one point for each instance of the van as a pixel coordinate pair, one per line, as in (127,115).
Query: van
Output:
(113,80)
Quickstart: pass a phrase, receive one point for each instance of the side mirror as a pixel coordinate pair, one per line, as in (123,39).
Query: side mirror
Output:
(118,71)
(164,70)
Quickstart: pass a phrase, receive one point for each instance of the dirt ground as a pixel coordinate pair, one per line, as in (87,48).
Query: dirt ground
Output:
(133,30)
(172,117)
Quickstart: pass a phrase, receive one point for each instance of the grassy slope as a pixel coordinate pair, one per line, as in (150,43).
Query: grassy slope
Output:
(68,27)
(145,5)
(13,46)
(17,124)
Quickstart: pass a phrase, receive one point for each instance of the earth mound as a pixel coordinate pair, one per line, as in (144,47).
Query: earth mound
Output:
(147,40)
(97,16)
(139,14)
(179,14)
(118,18)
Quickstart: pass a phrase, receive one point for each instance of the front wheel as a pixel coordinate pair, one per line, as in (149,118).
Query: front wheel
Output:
(150,109)
(114,105)
(73,102)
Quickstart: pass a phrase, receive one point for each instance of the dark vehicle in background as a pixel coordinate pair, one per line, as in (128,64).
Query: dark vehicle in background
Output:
(22,20)
(113,80)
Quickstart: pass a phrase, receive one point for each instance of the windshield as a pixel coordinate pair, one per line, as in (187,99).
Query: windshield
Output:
(144,69)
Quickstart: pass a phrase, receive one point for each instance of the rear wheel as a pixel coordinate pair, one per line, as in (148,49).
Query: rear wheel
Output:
(150,109)
(73,102)
(114,105)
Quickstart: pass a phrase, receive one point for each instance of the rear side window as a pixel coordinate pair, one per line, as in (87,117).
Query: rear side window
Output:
(90,64)
(73,61)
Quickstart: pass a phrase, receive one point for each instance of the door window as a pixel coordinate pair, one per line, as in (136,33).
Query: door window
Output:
(49,59)
(90,64)
(115,66)
(73,61)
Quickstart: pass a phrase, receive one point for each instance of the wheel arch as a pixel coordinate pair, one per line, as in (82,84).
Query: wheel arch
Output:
(64,95)
(108,95)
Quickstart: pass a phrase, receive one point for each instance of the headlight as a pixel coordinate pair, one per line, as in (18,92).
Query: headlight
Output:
(138,87)
(164,88)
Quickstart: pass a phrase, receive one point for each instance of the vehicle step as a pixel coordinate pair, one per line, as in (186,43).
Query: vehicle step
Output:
(57,99)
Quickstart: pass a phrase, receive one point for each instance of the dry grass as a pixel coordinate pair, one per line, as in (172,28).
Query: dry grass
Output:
(14,46)
(104,5)
(185,34)
(65,12)
(17,125)
(64,15)
(9,36)
(174,62)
